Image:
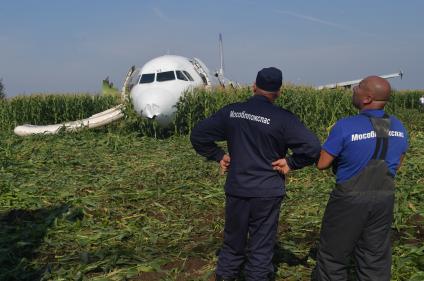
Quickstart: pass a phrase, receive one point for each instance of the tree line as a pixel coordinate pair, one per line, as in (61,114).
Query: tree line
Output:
(2,93)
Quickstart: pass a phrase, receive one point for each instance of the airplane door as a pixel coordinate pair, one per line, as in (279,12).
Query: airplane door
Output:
(202,71)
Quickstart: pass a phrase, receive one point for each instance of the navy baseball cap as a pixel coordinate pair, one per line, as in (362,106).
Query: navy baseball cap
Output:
(269,79)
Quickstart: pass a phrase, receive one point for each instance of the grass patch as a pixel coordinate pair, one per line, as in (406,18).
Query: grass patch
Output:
(104,205)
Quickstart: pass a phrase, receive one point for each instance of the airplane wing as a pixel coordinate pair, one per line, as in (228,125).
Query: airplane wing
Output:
(94,121)
(348,84)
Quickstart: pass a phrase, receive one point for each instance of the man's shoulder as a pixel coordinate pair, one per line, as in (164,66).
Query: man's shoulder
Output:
(245,105)
(349,121)
(283,111)
(357,122)
(396,122)
(348,125)
(231,107)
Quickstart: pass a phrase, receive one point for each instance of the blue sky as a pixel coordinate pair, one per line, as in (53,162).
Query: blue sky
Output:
(70,46)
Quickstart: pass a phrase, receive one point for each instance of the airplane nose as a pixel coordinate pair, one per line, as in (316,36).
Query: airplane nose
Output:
(157,103)
(150,110)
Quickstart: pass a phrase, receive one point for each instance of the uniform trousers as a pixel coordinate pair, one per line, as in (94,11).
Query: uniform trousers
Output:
(250,235)
(357,223)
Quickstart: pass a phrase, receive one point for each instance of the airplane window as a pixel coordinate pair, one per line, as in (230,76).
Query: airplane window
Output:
(165,76)
(188,75)
(181,76)
(147,78)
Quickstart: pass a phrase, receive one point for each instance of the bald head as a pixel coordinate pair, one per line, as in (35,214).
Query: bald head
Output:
(372,93)
(379,88)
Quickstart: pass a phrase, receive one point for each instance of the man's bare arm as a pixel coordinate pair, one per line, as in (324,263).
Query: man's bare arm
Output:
(400,161)
(325,160)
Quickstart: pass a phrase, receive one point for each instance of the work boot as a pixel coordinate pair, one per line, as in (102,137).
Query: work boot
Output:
(220,278)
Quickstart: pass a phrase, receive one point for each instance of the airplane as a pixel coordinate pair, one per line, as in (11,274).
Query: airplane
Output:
(154,89)
(159,84)
(349,84)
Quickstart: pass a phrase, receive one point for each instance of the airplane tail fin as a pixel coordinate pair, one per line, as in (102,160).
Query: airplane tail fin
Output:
(221,55)
(220,72)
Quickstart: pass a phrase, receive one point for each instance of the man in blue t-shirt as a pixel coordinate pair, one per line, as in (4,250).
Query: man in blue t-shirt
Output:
(365,152)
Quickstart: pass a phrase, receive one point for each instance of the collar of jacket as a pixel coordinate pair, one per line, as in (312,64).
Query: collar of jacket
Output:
(260,98)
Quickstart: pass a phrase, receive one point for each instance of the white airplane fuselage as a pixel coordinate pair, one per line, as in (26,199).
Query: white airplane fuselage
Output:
(162,81)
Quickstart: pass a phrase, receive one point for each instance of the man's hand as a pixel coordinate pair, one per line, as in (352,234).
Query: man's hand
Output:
(225,163)
(281,166)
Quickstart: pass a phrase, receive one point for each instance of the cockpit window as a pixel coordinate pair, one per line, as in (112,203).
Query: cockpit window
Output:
(180,76)
(147,78)
(165,76)
(188,75)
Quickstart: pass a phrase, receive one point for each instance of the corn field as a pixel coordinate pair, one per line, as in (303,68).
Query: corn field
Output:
(50,109)
(318,109)
(117,204)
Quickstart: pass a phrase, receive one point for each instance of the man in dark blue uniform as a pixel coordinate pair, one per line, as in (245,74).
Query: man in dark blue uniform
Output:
(365,150)
(258,135)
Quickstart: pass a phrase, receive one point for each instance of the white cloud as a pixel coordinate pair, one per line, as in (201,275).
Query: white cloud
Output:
(160,14)
(324,22)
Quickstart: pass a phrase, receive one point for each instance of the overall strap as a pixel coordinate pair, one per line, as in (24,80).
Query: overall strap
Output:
(381,127)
